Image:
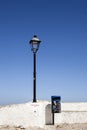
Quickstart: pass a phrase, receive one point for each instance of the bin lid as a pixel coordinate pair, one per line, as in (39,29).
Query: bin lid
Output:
(56,98)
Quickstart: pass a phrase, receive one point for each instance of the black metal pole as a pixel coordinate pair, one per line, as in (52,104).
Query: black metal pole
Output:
(34,79)
(53,118)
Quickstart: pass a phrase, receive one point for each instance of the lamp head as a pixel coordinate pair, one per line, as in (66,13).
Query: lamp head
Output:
(34,42)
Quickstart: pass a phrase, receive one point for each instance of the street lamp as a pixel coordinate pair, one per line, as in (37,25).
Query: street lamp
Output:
(35,42)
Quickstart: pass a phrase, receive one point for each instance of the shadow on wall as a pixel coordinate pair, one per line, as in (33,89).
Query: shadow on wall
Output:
(48,115)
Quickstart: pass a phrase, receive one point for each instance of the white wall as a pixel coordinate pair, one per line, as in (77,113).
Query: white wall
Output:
(28,114)
(72,113)
(39,114)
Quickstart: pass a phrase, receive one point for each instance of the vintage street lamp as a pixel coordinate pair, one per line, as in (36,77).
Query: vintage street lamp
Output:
(35,42)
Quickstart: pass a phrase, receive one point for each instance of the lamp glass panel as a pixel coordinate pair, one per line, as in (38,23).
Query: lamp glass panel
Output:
(34,47)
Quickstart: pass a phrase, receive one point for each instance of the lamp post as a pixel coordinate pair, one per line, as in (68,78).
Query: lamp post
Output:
(34,42)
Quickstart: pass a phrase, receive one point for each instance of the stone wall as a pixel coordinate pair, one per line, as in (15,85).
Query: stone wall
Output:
(39,114)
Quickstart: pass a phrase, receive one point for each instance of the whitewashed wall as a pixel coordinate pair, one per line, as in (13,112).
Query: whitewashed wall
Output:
(39,114)
(72,113)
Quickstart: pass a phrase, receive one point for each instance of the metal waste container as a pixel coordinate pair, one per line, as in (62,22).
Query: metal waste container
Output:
(56,104)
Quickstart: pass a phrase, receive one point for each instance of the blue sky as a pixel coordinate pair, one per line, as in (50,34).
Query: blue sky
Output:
(61,25)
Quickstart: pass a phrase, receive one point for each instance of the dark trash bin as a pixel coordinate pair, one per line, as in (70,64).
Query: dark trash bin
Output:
(56,104)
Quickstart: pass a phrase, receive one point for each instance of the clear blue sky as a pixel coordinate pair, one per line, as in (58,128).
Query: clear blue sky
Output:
(61,25)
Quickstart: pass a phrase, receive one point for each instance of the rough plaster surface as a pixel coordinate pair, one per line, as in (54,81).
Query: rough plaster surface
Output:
(49,127)
(39,114)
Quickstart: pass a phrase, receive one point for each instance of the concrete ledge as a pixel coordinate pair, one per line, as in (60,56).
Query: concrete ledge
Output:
(80,106)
